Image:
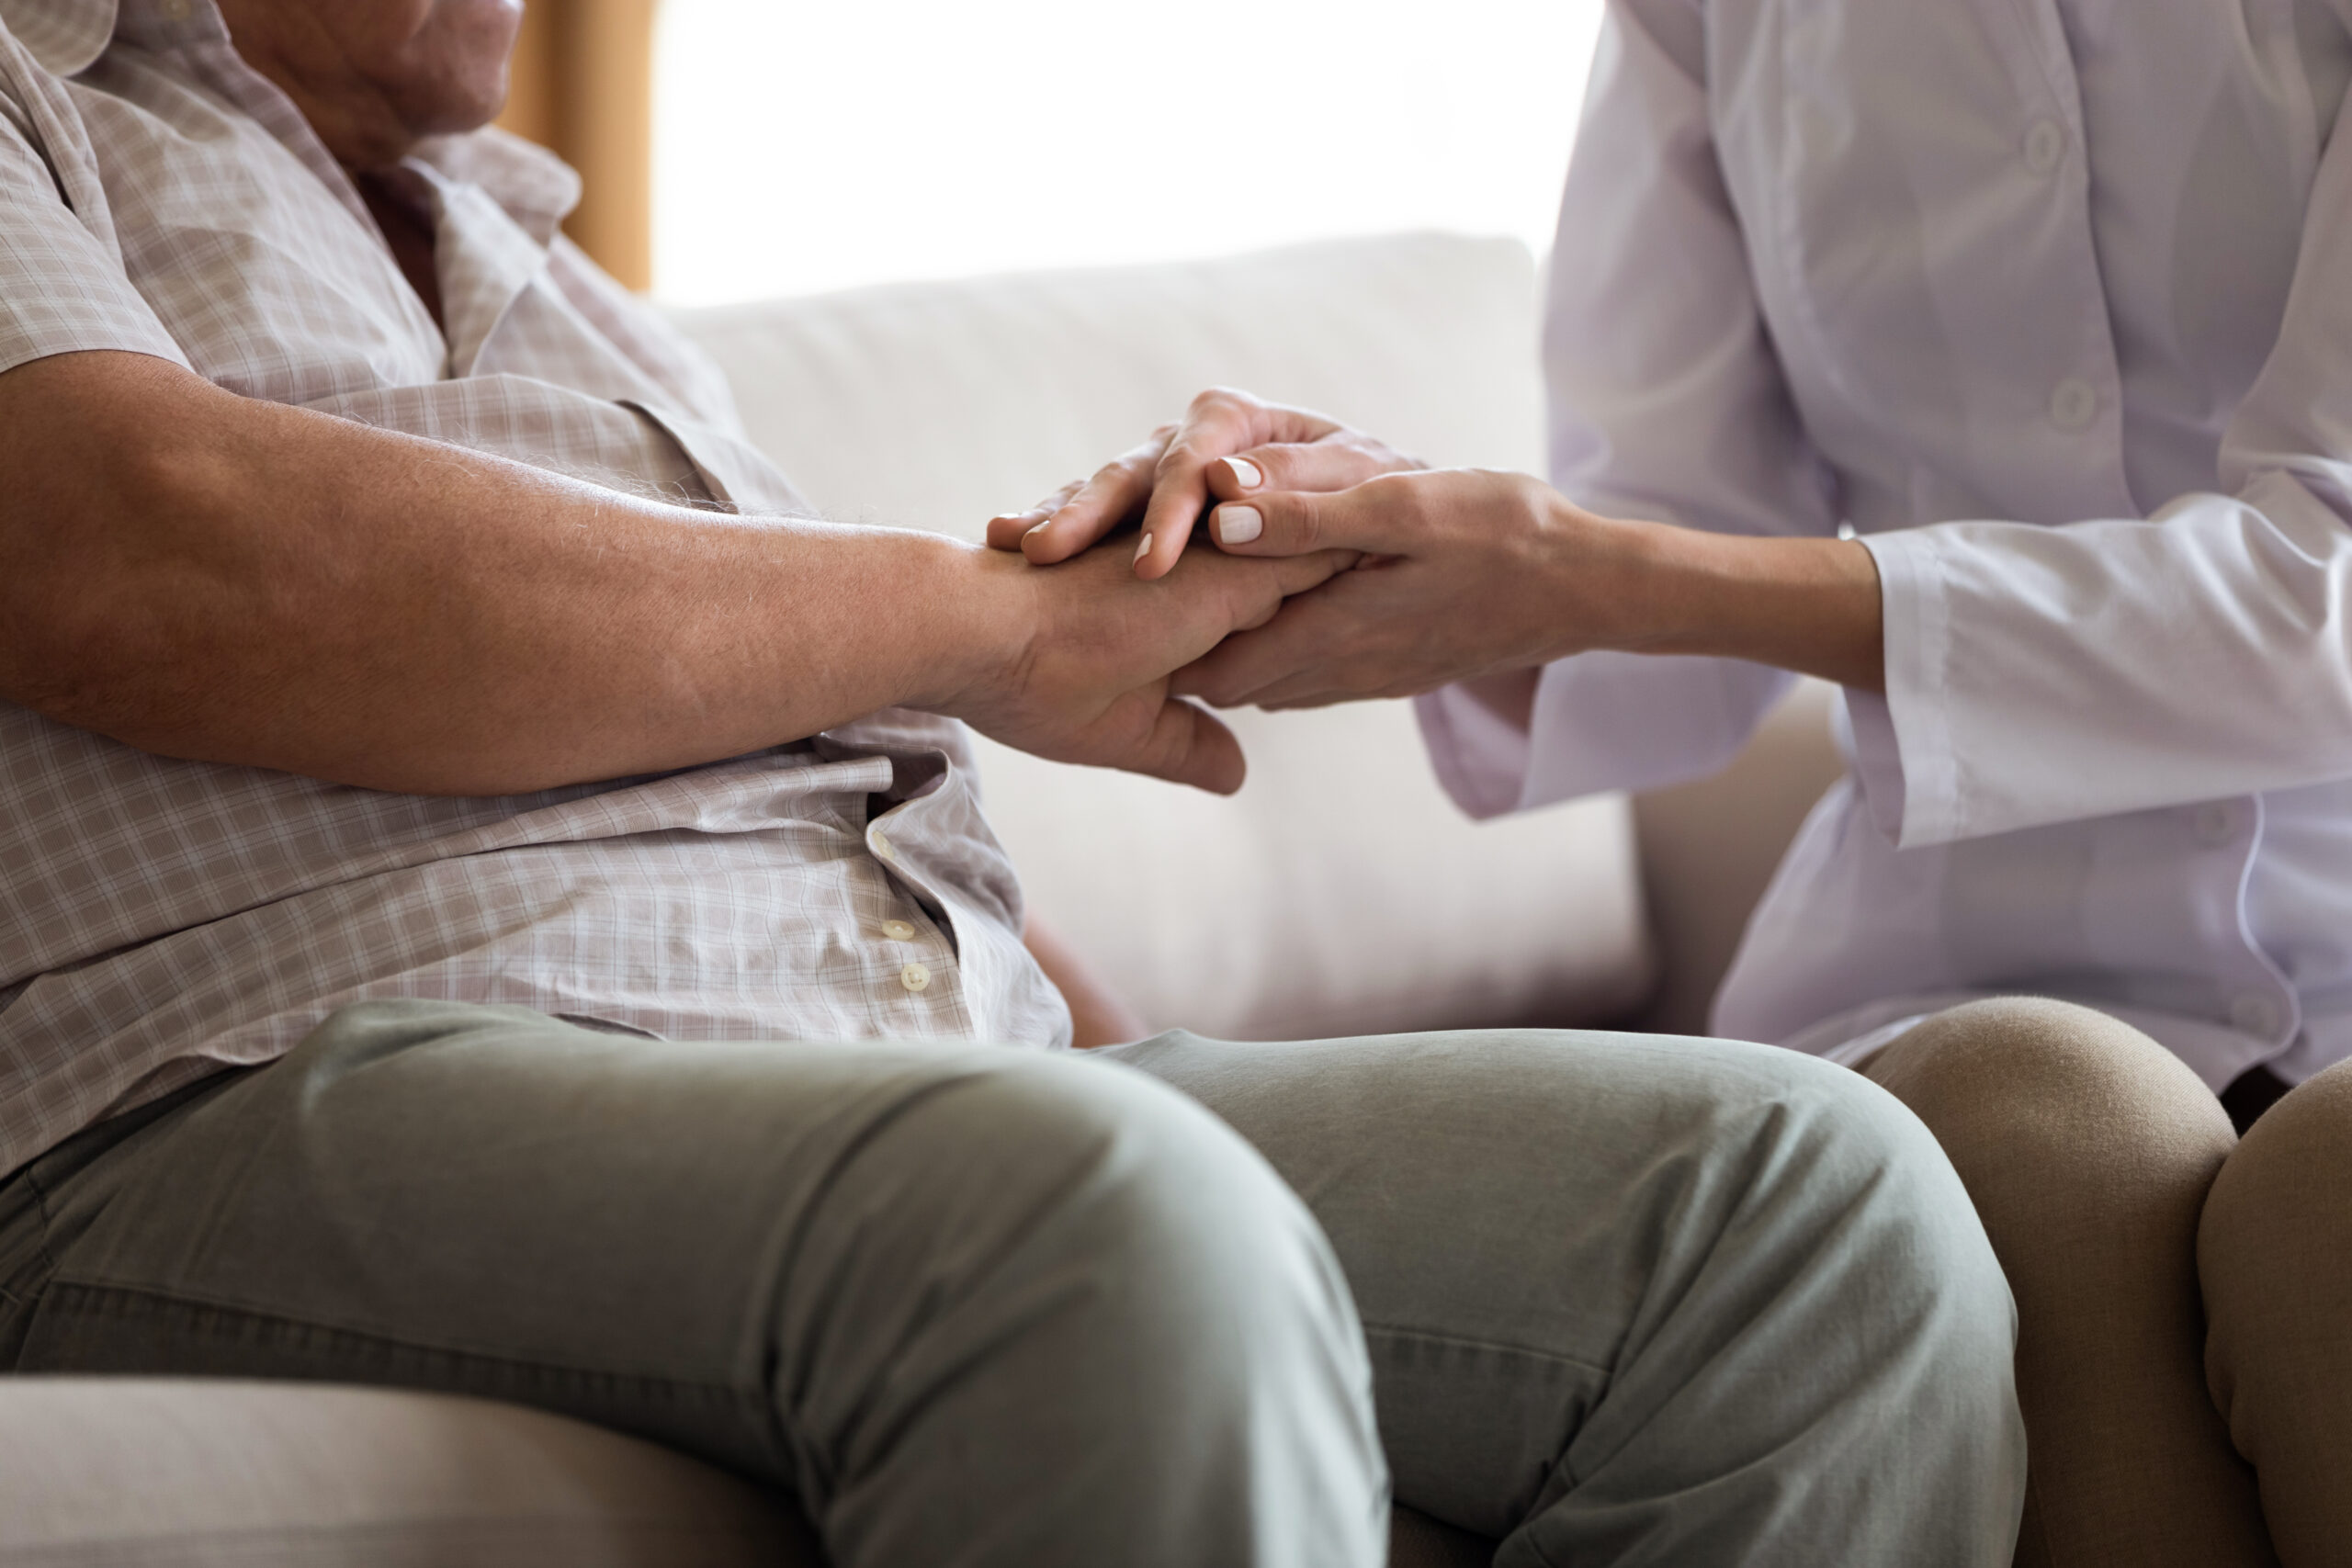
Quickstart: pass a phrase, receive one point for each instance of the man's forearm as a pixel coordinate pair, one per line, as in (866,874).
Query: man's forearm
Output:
(208,577)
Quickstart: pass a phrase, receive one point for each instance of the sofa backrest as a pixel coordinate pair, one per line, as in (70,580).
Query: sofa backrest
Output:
(1339,892)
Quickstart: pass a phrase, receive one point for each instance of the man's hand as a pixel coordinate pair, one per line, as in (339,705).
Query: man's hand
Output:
(1229,446)
(1088,680)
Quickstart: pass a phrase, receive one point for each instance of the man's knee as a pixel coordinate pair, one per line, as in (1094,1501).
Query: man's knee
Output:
(1065,1262)
(1881,1191)
(1847,1243)
(1142,1215)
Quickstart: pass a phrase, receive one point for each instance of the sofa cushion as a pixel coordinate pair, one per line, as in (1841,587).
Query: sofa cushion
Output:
(1340,892)
(119,1472)
(133,1474)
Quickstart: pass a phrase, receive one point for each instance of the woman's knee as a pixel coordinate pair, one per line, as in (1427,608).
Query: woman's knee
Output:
(2279,1220)
(2275,1262)
(2031,1097)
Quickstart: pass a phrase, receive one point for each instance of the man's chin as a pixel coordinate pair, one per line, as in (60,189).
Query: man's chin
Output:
(470,45)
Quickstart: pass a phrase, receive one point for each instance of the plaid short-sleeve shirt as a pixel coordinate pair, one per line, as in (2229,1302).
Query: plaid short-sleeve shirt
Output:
(162,920)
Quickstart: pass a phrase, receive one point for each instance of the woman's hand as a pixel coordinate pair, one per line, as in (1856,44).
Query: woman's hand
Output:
(1229,445)
(1466,573)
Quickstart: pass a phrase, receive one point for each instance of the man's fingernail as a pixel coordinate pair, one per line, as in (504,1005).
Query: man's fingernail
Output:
(1037,530)
(1239,525)
(1143,547)
(1246,474)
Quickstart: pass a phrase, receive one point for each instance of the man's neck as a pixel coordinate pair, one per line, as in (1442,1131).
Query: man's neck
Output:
(409,229)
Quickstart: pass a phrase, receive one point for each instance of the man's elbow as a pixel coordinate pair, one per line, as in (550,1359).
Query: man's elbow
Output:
(100,532)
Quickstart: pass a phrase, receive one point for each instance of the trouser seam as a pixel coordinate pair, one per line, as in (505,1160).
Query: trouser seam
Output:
(1467,1342)
(71,1294)
(1561,1467)
(45,1264)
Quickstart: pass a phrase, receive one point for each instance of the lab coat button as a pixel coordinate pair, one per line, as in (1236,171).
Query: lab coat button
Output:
(2046,147)
(2255,1014)
(2073,405)
(915,977)
(2216,825)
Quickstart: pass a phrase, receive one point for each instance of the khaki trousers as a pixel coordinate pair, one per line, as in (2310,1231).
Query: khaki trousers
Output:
(1639,1303)
(2185,1298)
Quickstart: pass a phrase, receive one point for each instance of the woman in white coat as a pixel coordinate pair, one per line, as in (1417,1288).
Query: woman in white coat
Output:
(1991,358)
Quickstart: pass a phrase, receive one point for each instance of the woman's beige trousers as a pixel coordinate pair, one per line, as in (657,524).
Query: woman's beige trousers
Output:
(2185,1298)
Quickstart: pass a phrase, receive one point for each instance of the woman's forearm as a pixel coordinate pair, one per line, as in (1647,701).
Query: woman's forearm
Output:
(1807,606)
(1476,576)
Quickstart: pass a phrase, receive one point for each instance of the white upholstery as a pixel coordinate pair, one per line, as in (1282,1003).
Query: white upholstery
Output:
(1339,892)
(102,1473)
(119,1472)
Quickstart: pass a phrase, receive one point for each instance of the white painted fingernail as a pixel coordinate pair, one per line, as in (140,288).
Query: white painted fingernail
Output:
(1143,547)
(1239,525)
(1247,474)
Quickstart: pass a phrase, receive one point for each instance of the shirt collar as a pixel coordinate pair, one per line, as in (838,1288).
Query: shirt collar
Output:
(65,35)
(536,188)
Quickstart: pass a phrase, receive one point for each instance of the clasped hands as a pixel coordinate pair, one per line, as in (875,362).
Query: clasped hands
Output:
(1393,578)
(1347,571)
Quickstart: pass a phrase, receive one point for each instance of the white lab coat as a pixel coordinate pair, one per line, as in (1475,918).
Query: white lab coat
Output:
(2051,300)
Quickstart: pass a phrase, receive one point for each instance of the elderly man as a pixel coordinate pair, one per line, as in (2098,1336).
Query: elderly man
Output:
(439,757)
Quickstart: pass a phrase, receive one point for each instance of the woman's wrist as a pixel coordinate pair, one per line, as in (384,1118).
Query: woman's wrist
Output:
(1807,604)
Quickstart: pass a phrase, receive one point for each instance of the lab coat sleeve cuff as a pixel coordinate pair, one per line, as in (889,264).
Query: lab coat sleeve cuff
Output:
(1636,721)
(1877,759)
(1600,722)
(1914,749)
(1479,756)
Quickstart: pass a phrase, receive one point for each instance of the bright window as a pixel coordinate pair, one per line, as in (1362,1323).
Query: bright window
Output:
(804,146)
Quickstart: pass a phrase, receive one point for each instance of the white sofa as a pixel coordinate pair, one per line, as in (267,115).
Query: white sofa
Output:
(1338,893)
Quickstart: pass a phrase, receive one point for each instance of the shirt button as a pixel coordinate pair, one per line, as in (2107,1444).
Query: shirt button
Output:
(2255,1014)
(915,977)
(2216,825)
(177,10)
(898,930)
(2073,404)
(2046,146)
(882,846)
